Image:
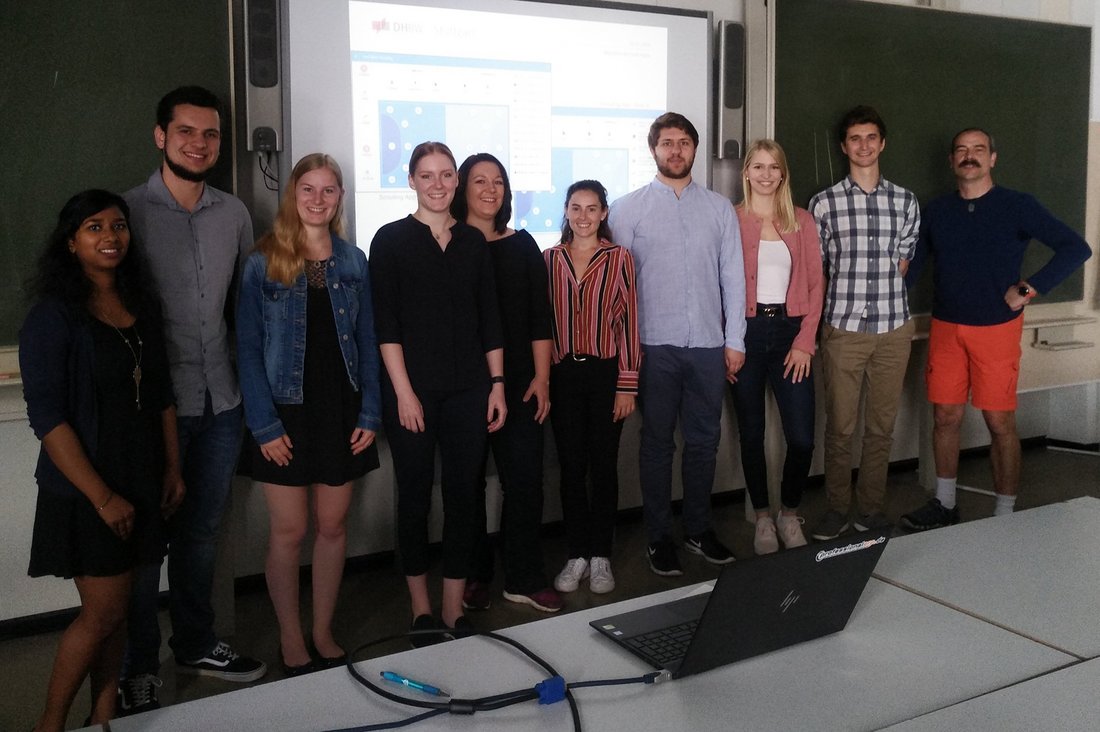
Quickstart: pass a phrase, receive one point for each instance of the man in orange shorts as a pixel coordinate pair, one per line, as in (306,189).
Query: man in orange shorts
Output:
(978,237)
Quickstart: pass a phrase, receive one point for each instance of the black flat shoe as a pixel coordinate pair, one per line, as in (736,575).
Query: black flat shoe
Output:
(324,663)
(419,636)
(291,671)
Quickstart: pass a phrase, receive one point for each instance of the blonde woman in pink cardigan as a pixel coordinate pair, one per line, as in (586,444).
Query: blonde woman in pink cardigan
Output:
(784,291)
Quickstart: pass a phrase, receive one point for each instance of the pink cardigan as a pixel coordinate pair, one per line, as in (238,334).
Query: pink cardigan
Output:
(806,291)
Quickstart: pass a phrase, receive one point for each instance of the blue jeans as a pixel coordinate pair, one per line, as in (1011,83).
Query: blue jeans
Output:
(684,384)
(767,342)
(209,448)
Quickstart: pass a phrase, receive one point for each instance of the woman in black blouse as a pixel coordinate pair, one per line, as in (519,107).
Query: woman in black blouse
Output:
(438,325)
(484,201)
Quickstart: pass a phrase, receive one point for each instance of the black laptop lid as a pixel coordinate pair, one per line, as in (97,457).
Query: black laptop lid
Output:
(767,603)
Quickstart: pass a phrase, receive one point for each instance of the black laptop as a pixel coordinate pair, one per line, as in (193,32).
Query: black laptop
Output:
(757,605)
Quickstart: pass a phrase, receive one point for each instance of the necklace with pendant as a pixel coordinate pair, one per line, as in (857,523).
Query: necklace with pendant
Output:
(138,354)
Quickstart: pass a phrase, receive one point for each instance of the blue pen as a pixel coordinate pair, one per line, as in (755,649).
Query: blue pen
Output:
(413,684)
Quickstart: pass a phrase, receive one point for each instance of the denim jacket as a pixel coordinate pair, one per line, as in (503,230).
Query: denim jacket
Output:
(271,339)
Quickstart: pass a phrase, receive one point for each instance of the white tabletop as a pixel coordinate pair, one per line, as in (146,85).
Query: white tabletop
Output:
(1066,700)
(1036,572)
(900,656)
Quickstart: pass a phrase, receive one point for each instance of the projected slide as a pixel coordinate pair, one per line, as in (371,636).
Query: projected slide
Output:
(556,99)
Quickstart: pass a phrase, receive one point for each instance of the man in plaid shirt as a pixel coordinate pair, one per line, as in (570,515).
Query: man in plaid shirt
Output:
(869,229)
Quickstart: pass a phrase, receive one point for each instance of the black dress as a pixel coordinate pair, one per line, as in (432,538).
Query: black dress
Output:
(320,427)
(70,539)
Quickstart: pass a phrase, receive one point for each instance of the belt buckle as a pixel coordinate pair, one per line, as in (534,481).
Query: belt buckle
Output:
(579,359)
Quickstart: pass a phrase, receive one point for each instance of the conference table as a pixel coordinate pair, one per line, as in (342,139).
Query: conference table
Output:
(988,625)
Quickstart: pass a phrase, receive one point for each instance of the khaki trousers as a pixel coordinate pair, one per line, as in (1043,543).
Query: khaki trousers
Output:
(849,361)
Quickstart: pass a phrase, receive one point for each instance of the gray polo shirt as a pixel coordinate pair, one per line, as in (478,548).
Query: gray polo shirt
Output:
(193,256)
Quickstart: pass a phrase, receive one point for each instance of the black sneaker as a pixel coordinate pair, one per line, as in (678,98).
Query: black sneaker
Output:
(832,525)
(709,548)
(876,520)
(461,629)
(931,515)
(663,559)
(426,630)
(138,694)
(226,664)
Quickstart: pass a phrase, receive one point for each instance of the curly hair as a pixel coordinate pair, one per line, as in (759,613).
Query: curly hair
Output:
(59,274)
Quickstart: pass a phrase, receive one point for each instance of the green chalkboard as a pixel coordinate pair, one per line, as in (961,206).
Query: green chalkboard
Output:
(930,73)
(79,84)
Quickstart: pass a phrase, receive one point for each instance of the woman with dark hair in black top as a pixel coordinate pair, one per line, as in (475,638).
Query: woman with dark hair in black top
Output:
(484,201)
(438,325)
(95,379)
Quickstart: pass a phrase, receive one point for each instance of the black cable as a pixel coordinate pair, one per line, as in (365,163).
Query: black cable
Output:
(469,706)
(269,177)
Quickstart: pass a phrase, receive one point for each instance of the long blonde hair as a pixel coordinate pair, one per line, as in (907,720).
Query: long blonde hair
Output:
(785,221)
(283,245)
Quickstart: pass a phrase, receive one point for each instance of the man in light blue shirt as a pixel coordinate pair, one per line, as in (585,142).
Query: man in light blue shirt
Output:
(691,313)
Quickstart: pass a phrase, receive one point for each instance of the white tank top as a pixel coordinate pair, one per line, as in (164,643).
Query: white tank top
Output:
(773,272)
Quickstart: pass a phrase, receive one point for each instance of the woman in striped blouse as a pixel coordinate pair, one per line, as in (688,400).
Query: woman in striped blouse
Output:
(594,379)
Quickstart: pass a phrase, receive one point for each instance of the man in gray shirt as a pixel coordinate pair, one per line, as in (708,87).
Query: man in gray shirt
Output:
(686,246)
(193,237)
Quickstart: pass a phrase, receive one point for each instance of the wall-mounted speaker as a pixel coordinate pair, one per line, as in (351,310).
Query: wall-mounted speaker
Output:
(264,99)
(730,97)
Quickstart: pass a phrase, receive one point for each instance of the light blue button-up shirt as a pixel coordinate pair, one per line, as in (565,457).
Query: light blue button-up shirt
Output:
(691,275)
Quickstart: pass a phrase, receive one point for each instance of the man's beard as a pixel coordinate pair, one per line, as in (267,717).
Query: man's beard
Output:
(674,175)
(182,172)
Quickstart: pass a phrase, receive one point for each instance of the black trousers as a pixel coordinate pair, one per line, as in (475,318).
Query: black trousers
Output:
(518,453)
(582,395)
(455,421)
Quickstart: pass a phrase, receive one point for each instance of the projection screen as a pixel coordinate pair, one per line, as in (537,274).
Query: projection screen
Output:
(557,92)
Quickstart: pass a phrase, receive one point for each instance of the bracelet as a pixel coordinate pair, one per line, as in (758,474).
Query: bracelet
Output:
(100,508)
(496,380)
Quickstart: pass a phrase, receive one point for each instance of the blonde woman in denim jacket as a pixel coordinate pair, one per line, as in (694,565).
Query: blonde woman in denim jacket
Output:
(309,369)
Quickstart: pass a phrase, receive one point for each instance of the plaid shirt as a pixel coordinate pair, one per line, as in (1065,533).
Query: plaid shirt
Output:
(863,236)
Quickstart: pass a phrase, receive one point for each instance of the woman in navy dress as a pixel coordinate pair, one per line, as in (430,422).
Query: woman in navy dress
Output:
(99,397)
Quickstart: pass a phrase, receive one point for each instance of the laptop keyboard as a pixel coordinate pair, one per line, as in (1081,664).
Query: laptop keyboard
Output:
(667,644)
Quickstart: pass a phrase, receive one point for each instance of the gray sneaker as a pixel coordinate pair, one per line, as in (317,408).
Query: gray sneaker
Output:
(876,520)
(831,526)
(138,694)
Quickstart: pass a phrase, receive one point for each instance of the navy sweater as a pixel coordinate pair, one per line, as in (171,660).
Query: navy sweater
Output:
(978,246)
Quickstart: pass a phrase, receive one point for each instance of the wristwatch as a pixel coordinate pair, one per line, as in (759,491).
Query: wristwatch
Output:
(1023,291)
(496,380)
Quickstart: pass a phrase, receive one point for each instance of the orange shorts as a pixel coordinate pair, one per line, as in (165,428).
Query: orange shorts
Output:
(981,361)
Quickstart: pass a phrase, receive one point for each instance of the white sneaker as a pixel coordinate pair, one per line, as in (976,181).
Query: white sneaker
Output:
(602,581)
(790,531)
(569,578)
(765,542)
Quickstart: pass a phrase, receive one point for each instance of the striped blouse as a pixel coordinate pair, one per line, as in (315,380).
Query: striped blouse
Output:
(597,316)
